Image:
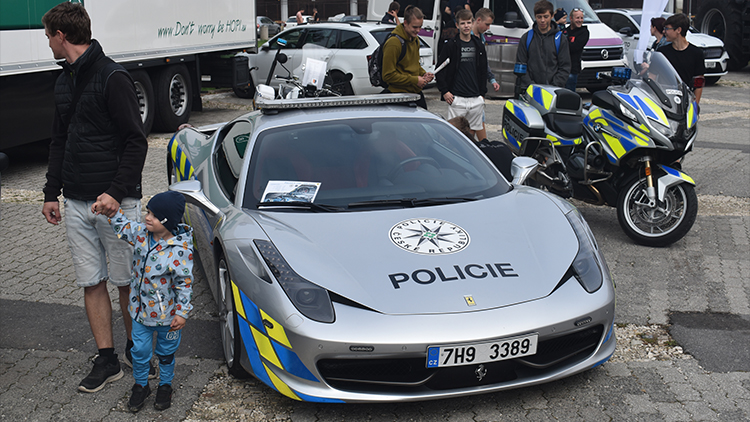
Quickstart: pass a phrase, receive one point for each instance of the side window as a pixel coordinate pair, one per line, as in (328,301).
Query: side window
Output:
(617,22)
(230,153)
(352,40)
(292,39)
(322,37)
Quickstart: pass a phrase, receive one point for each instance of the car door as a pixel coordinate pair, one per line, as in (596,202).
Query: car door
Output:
(294,40)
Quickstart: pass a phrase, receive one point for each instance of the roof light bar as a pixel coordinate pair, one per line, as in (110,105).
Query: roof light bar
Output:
(300,103)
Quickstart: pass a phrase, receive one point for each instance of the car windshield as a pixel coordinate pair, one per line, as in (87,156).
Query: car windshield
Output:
(365,163)
(589,16)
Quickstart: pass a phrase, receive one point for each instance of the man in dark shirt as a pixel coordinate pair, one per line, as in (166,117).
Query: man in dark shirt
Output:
(96,157)
(462,83)
(686,58)
(578,36)
(391,16)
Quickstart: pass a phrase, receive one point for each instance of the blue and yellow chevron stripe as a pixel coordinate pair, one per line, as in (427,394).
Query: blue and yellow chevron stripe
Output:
(267,346)
(182,166)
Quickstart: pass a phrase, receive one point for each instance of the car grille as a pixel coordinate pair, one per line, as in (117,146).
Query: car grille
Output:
(594,54)
(410,374)
(712,52)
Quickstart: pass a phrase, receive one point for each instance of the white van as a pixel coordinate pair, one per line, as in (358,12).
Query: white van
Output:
(512,19)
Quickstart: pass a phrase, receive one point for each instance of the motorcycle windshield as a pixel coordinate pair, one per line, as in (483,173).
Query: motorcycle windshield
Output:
(664,83)
(314,64)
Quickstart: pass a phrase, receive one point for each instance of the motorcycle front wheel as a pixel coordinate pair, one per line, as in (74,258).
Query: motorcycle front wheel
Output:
(662,225)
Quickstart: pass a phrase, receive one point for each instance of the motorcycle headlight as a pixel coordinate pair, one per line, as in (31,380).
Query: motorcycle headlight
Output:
(589,269)
(629,114)
(311,300)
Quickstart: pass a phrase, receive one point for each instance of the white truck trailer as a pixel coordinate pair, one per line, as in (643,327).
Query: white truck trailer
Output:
(170,47)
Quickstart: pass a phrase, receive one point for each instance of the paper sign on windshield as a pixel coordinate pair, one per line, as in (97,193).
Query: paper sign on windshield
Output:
(290,191)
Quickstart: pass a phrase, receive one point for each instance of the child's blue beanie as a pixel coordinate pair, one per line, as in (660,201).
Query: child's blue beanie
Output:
(168,208)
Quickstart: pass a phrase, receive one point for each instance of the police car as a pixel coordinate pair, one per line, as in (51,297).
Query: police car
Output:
(362,249)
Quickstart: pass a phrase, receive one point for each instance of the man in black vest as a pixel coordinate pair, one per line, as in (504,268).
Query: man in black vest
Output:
(96,158)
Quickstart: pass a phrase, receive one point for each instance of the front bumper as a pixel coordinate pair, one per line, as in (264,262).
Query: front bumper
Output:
(366,356)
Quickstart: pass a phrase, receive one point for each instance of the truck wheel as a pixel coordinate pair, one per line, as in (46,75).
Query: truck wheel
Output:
(145,93)
(173,98)
(719,19)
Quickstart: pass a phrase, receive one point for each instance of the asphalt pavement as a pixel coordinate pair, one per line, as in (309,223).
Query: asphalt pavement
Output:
(698,289)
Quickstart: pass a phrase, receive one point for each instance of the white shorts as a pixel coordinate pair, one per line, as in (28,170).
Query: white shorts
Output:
(91,241)
(472,108)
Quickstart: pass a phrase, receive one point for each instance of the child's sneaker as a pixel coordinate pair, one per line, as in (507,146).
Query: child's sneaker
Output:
(163,397)
(104,371)
(129,362)
(138,397)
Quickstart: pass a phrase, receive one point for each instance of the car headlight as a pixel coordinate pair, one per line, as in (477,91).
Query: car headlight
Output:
(588,268)
(311,300)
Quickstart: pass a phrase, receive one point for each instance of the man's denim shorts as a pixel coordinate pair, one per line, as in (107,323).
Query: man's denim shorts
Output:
(91,240)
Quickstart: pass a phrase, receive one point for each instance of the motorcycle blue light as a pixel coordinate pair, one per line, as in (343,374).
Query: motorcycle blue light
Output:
(621,73)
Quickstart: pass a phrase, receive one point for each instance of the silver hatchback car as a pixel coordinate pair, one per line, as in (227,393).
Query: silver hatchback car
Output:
(362,249)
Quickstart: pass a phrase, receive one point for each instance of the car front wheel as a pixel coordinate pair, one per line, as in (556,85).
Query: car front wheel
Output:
(230,327)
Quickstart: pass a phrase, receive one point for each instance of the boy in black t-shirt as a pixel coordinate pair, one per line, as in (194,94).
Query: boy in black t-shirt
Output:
(686,58)
(462,83)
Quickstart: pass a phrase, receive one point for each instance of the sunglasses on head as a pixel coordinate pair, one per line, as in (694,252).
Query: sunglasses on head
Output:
(576,9)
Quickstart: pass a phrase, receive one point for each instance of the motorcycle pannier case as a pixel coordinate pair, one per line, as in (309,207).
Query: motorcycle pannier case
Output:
(520,121)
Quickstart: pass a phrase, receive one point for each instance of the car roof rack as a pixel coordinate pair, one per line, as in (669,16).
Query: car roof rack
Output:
(274,106)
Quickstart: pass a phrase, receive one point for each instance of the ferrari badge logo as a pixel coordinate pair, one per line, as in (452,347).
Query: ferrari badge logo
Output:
(428,236)
(470,300)
(481,372)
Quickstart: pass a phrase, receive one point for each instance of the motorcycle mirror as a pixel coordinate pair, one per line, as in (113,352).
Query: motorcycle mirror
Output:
(282,58)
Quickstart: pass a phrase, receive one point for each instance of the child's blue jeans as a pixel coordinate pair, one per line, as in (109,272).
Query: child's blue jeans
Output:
(167,343)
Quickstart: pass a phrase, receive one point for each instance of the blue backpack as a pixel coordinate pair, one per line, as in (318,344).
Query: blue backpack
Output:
(558,37)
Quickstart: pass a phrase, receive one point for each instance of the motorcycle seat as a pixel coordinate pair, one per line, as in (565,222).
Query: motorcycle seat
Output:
(565,125)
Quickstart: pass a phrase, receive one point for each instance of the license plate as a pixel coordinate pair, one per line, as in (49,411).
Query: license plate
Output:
(710,64)
(491,351)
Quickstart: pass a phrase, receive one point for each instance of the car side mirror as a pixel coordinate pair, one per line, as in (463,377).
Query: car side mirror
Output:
(193,193)
(521,168)
(511,20)
(626,31)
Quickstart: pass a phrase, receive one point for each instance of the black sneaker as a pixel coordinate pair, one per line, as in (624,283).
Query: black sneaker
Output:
(129,362)
(104,371)
(163,397)
(138,397)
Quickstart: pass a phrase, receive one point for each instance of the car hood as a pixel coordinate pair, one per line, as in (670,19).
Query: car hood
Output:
(520,245)
(703,40)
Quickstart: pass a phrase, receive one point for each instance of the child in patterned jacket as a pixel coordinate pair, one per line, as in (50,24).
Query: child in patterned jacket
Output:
(160,291)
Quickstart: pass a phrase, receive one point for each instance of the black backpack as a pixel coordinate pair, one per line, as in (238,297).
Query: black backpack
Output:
(375,62)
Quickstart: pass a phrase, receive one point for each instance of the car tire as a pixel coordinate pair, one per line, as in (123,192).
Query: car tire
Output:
(246,92)
(719,19)
(174,98)
(711,80)
(230,325)
(340,84)
(144,91)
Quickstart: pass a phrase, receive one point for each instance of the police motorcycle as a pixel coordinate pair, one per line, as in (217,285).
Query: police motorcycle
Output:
(622,150)
(315,82)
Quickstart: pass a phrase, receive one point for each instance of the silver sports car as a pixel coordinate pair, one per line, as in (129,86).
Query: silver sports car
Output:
(362,249)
